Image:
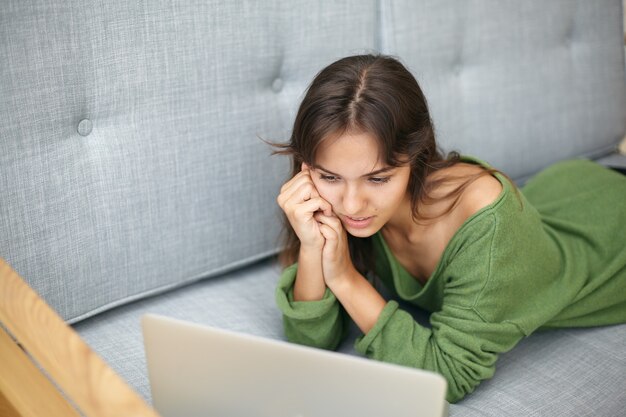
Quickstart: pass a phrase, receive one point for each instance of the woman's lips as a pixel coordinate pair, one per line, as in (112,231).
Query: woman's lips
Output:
(357,222)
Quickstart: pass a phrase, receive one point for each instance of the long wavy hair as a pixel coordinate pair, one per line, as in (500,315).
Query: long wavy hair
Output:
(378,95)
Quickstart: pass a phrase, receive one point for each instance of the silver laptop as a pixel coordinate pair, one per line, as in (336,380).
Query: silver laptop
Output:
(196,370)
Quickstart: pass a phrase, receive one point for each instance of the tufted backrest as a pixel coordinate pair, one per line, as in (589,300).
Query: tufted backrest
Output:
(521,84)
(130,158)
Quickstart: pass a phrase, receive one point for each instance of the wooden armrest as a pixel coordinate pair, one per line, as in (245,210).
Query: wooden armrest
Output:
(85,380)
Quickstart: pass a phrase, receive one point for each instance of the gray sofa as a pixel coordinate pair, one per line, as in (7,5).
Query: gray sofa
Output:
(133,177)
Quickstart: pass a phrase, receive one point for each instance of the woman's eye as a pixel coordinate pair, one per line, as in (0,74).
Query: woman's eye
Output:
(379,180)
(329,178)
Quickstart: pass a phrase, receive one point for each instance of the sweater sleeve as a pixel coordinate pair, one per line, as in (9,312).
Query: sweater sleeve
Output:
(460,345)
(319,323)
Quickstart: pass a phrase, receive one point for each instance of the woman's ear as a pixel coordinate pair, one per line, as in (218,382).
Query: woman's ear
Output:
(304,166)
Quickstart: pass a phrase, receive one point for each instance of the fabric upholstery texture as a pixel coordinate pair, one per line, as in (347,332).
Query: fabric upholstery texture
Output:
(531,84)
(131,155)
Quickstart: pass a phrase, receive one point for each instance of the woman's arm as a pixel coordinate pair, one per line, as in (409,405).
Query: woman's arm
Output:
(309,284)
(300,200)
(360,299)
(320,323)
(311,314)
(460,345)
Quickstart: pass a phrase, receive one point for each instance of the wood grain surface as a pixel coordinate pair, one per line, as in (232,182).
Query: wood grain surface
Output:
(82,375)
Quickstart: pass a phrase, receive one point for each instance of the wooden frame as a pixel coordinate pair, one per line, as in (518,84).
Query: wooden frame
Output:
(46,369)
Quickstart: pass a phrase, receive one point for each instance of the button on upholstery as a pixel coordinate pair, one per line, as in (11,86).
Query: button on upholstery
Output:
(84,127)
(277,85)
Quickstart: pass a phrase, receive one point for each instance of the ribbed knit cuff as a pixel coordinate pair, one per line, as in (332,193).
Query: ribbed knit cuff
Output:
(300,310)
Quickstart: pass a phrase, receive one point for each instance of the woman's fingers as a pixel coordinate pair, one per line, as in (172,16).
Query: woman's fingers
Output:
(297,194)
(295,182)
(330,235)
(300,201)
(332,221)
(308,208)
(301,188)
(304,173)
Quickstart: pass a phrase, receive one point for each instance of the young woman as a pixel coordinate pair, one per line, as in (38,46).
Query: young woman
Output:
(371,196)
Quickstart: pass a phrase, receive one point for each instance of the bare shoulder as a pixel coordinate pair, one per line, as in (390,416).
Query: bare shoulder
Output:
(481,192)
(478,194)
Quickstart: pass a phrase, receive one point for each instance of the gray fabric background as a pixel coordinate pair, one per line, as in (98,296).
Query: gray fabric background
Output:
(172,184)
(521,84)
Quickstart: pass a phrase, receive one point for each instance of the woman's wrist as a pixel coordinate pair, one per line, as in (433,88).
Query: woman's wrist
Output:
(310,251)
(309,285)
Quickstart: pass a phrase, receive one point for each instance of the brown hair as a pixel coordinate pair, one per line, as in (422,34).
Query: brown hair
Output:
(378,95)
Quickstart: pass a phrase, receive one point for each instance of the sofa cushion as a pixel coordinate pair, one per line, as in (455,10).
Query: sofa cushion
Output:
(242,300)
(570,372)
(522,84)
(130,159)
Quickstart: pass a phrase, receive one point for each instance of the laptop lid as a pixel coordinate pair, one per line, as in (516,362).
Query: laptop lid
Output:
(197,370)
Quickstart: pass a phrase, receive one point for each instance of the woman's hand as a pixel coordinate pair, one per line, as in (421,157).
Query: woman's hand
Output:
(300,200)
(337,264)
(359,298)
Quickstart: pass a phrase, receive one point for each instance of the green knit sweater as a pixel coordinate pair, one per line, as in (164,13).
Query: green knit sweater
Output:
(552,256)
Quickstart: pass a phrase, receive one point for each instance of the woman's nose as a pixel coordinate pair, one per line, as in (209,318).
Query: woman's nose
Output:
(353,201)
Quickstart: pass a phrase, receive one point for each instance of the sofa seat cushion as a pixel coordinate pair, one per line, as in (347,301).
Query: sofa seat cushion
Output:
(570,372)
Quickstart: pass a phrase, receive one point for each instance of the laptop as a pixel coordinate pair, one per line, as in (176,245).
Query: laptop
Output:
(197,370)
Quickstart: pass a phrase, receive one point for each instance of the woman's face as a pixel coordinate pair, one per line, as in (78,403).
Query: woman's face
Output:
(365,192)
